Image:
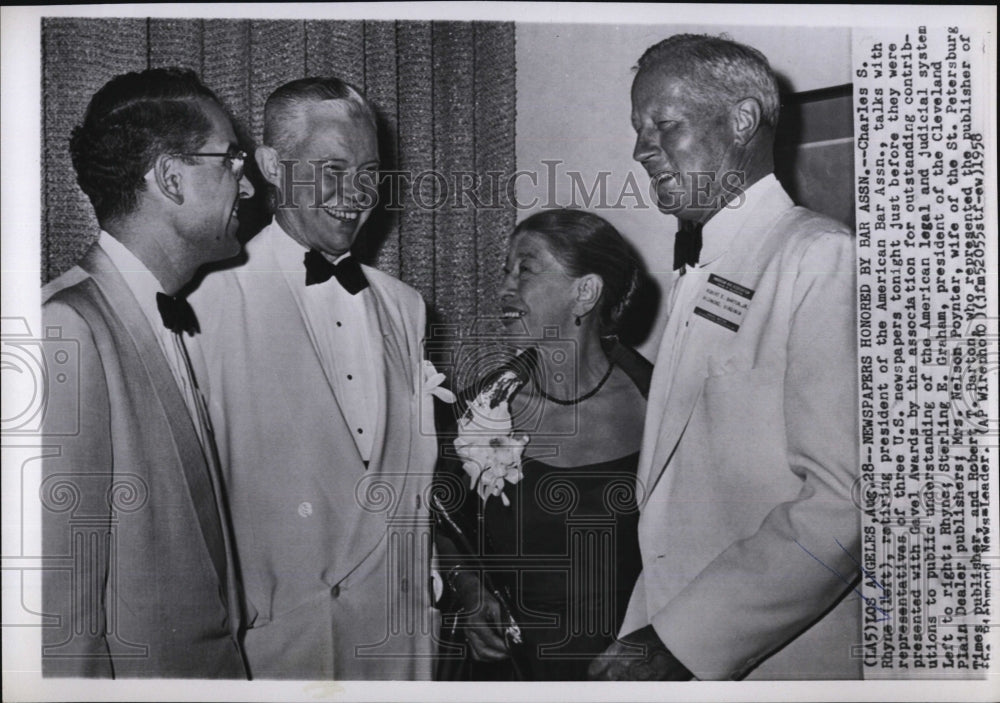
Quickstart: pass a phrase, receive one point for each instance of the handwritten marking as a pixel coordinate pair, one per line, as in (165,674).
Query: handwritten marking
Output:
(868,600)
(867,572)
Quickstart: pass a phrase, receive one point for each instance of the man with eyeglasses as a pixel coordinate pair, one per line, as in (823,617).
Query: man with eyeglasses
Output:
(314,381)
(140,572)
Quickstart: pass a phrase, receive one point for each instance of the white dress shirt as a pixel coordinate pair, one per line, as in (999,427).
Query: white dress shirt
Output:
(341,326)
(144,287)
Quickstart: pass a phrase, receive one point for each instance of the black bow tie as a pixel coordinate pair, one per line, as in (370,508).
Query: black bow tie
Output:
(687,244)
(177,314)
(348,272)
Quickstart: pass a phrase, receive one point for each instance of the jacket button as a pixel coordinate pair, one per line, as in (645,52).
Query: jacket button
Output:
(335,591)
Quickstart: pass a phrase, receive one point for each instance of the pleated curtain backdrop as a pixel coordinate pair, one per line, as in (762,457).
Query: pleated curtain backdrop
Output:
(444,91)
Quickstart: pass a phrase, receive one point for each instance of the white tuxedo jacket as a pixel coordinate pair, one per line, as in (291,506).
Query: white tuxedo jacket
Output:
(334,557)
(748,532)
(132,521)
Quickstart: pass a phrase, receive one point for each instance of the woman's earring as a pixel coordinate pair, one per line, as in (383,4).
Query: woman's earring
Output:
(271,203)
(577,320)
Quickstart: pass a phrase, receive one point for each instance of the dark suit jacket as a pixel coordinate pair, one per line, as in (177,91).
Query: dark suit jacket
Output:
(134,537)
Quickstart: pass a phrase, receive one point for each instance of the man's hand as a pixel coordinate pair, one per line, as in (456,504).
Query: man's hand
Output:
(638,656)
(481,622)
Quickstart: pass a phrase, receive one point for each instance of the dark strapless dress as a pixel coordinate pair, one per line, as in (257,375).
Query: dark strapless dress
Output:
(567,551)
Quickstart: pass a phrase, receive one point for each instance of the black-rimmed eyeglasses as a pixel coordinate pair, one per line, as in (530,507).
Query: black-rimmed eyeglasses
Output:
(236,159)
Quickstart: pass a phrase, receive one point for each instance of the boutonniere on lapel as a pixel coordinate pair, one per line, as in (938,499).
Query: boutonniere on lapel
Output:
(487,445)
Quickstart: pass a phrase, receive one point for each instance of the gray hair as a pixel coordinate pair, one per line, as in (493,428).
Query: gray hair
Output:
(717,71)
(284,107)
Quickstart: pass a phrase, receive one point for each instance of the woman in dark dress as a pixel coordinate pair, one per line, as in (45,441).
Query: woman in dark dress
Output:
(550,443)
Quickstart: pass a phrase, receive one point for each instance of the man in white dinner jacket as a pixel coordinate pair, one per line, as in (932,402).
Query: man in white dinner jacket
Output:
(314,385)
(750,540)
(139,579)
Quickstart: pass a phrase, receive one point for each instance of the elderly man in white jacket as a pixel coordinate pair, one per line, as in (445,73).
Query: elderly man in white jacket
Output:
(749,537)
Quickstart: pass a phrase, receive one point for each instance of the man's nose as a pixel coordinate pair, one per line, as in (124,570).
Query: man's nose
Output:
(348,186)
(645,146)
(246,187)
(347,189)
(508,286)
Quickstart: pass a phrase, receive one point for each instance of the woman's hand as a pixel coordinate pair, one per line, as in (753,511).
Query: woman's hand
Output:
(481,620)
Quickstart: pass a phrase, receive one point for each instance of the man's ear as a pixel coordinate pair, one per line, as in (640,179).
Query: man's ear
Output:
(168,177)
(269,165)
(747,116)
(588,292)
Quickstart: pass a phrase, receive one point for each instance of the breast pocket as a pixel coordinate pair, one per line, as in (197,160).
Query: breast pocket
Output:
(743,413)
(743,383)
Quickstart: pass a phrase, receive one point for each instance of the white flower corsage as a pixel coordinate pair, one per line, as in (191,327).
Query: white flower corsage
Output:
(486,443)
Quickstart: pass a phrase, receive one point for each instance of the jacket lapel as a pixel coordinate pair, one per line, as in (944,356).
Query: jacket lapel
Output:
(689,380)
(292,279)
(752,247)
(391,442)
(390,449)
(148,359)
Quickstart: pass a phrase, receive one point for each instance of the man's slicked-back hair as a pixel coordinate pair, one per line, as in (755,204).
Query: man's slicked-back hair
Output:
(717,71)
(284,108)
(130,122)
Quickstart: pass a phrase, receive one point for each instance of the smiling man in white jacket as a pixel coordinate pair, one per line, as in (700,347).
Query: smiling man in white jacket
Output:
(313,364)
(750,540)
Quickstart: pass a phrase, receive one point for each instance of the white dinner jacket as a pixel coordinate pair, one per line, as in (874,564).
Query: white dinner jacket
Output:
(747,529)
(334,556)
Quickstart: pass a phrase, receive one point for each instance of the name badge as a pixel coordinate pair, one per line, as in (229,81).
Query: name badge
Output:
(724,302)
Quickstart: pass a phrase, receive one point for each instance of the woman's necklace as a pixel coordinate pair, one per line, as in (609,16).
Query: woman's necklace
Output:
(574,401)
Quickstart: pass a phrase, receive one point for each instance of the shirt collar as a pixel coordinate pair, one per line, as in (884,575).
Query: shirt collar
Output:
(289,251)
(290,257)
(718,233)
(138,278)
